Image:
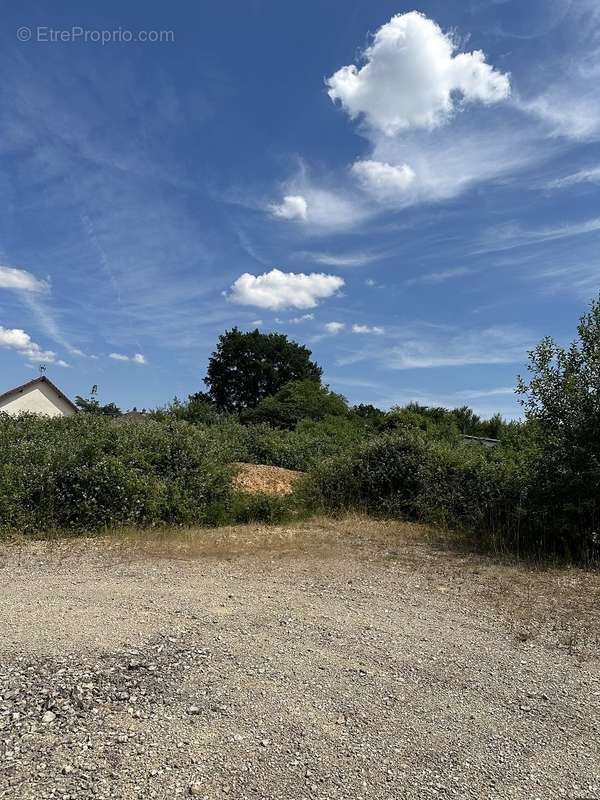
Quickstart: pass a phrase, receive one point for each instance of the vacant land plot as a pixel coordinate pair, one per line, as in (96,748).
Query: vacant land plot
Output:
(347,659)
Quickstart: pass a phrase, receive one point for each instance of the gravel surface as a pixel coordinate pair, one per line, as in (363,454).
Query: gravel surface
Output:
(346,659)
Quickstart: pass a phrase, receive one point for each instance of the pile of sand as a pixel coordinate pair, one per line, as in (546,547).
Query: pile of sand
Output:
(253,478)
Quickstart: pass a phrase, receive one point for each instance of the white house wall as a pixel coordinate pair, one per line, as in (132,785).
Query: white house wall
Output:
(40,399)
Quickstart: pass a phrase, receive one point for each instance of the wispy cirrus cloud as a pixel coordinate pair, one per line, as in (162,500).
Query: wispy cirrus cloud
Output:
(127,247)
(441,276)
(433,347)
(589,175)
(566,99)
(33,293)
(569,278)
(324,206)
(511,235)
(358,258)
(47,321)
(493,345)
(477,394)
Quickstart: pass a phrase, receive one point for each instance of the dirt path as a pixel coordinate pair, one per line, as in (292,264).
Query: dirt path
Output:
(331,660)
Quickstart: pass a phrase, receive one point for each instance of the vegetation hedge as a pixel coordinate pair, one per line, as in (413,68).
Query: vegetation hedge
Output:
(504,495)
(89,472)
(302,448)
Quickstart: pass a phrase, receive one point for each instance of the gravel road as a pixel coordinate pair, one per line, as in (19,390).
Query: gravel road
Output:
(346,659)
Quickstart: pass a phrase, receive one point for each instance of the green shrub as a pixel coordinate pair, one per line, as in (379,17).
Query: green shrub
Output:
(377,477)
(268,509)
(410,476)
(304,447)
(297,401)
(89,472)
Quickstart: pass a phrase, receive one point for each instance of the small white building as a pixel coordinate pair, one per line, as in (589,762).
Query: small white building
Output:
(39,396)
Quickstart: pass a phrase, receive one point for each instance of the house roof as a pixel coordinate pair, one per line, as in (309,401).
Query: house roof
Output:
(42,379)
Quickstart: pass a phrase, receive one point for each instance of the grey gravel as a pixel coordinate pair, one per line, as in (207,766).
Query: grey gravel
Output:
(362,664)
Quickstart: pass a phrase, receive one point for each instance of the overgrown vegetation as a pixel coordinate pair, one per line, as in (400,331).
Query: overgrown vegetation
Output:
(538,490)
(90,471)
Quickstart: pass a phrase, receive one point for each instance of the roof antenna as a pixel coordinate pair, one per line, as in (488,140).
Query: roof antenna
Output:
(42,369)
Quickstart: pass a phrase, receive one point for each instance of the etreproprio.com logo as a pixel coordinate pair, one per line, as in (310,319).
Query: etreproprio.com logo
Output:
(79,34)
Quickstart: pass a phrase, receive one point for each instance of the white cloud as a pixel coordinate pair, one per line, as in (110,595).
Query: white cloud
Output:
(334,328)
(384,181)
(14,337)
(411,76)
(256,323)
(293,207)
(136,358)
(21,280)
(329,208)
(590,175)
(375,330)
(325,206)
(17,339)
(303,318)
(278,290)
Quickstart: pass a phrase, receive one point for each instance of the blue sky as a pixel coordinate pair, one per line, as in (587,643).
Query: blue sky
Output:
(411,191)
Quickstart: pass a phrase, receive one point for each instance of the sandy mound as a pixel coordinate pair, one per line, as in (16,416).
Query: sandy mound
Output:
(254,478)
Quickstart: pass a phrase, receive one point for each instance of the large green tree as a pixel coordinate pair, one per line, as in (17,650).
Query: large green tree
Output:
(296,401)
(247,367)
